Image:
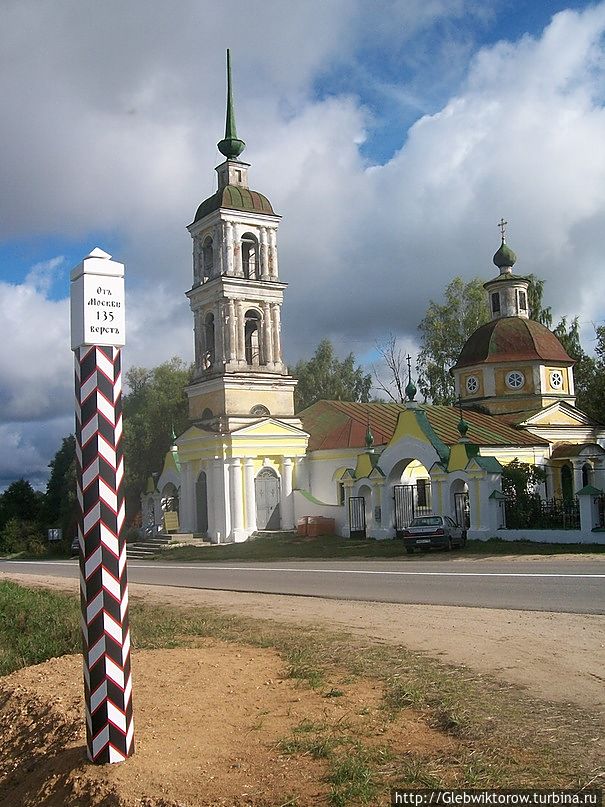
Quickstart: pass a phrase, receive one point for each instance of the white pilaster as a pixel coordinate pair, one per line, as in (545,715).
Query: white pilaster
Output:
(228,247)
(237,503)
(232,333)
(264,254)
(241,325)
(272,253)
(276,333)
(219,335)
(267,334)
(578,482)
(219,257)
(250,496)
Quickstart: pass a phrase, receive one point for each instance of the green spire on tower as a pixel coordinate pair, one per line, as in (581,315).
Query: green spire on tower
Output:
(231,146)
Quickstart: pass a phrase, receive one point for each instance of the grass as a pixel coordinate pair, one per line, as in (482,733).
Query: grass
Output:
(281,546)
(501,737)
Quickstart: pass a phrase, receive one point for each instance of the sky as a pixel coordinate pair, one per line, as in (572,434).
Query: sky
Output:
(391,136)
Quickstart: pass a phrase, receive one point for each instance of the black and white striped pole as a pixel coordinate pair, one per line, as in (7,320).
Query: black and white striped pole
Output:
(97,334)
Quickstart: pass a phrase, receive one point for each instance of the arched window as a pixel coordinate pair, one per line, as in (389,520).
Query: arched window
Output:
(252,338)
(496,302)
(209,353)
(567,483)
(207,259)
(250,262)
(586,474)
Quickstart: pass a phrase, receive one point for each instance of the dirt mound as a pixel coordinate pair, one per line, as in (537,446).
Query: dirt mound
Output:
(211,725)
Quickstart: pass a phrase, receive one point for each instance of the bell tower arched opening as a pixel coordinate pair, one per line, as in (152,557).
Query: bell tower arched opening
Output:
(250,256)
(207,259)
(252,337)
(209,352)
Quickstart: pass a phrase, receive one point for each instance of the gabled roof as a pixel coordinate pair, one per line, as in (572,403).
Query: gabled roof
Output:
(541,417)
(340,424)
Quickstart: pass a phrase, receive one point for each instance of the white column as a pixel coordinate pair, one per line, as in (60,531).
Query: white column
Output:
(287,499)
(186,499)
(578,483)
(550,481)
(197,260)
(273,253)
(267,334)
(241,324)
(232,333)
(198,340)
(219,335)
(220,510)
(228,247)
(264,254)
(237,502)
(238,264)
(276,333)
(250,496)
(217,251)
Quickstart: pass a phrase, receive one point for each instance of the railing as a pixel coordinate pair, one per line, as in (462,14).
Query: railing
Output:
(534,513)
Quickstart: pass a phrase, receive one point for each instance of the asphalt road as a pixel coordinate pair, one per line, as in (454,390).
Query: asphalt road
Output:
(544,584)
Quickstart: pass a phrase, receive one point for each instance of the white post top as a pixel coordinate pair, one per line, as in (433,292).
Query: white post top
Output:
(98,262)
(97,301)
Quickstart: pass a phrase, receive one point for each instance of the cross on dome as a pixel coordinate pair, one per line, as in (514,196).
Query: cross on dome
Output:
(502,225)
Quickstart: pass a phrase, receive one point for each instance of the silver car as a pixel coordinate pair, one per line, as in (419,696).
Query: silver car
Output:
(430,532)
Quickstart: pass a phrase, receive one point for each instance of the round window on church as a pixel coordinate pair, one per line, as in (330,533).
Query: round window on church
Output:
(260,411)
(515,379)
(556,379)
(472,383)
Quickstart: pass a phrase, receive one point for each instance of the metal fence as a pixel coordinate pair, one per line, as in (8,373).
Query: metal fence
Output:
(534,513)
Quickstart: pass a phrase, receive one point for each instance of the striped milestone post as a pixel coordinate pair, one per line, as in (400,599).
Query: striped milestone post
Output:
(97,333)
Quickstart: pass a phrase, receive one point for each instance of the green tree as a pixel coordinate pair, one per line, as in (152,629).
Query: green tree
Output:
(154,408)
(587,376)
(444,330)
(60,502)
(535,291)
(20,501)
(325,377)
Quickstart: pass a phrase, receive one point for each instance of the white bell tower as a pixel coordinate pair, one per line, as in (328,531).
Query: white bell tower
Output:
(236,300)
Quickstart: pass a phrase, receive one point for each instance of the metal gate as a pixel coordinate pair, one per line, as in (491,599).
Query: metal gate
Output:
(357,517)
(404,507)
(462,510)
(266,487)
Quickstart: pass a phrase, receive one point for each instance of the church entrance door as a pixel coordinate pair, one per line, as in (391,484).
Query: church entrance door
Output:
(201,498)
(267,491)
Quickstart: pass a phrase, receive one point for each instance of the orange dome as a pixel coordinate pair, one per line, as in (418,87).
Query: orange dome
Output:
(512,339)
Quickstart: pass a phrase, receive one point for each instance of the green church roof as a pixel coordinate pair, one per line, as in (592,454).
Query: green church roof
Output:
(235,197)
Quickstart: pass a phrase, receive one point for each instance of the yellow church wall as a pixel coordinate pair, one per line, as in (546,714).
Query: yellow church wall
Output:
(479,393)
(215,401)
(279,402)
(239,401)
(502,387)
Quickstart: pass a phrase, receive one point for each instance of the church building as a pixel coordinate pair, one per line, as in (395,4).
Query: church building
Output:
(247,463)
